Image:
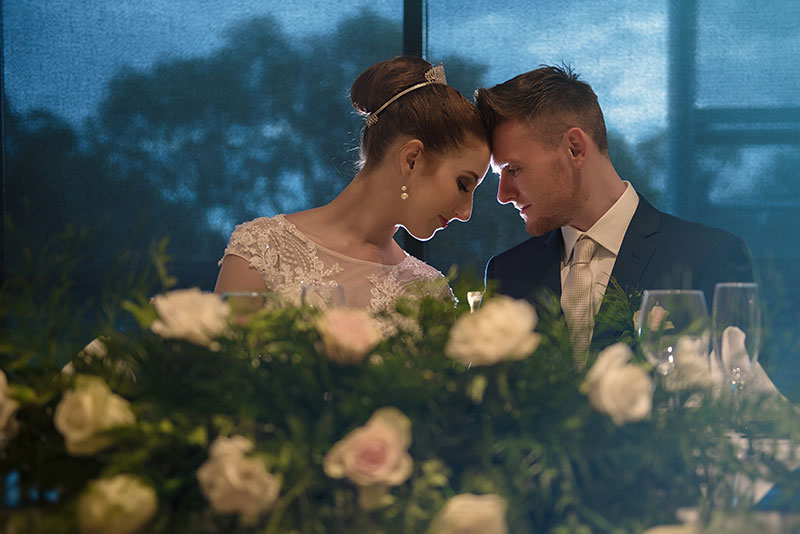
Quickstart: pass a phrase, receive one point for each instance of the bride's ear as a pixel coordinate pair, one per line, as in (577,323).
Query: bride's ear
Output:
(410,156)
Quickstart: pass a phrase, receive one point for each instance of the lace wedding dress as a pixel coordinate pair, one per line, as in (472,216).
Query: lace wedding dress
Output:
(287,260)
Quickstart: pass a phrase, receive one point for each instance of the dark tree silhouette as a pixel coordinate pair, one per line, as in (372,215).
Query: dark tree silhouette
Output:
(192,146)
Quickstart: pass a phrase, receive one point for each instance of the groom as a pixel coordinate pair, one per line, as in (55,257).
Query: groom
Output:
(589,226)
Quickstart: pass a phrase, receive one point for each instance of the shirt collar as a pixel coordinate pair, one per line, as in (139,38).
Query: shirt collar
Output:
(609,230)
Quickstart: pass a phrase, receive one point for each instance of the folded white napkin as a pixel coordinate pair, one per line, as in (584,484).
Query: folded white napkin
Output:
(734,354)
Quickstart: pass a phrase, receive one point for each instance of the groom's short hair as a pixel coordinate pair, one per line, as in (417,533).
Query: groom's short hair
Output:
(552,99)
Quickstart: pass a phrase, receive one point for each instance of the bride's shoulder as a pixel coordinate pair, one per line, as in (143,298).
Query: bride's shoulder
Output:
(420,269)
(262,224)
(260,232)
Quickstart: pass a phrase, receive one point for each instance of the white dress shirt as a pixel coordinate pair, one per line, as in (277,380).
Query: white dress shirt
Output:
(608,232)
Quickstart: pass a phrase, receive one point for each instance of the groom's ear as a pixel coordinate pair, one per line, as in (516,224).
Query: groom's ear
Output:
(577,144)
(410,156)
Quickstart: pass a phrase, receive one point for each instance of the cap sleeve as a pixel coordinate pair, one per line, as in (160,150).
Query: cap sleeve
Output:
(249,241)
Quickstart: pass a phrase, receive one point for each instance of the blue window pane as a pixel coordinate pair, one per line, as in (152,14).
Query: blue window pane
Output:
(620,49)
(153,118)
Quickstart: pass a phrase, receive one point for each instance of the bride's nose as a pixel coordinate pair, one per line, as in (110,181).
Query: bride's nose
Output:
(464,210)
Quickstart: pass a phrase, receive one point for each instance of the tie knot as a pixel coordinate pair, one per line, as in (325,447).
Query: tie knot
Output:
(584,250)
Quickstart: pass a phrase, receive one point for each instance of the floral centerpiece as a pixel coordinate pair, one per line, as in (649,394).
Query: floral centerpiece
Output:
(288,419)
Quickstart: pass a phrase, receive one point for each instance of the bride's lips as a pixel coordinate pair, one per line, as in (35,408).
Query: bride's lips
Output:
(443,221)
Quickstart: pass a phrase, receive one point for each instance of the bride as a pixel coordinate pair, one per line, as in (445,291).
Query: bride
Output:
(423,151)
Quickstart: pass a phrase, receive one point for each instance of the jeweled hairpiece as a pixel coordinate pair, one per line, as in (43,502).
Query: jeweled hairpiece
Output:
(433,75)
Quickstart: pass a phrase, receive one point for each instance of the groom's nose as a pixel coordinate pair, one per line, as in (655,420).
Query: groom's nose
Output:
(506,190)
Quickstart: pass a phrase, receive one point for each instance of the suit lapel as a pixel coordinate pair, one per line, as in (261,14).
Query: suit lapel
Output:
(635,251)
(547,265)
(634,255)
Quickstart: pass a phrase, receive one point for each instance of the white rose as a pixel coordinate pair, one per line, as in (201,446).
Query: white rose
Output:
(471,514)
(234,483)
(119,505)
(233,446)
(97,350)
(611,357)
(673,529)
(191,314)
(8,425)
(348,334)
(374,456)
(621,390)
(691,365)
(87,410)
(502,329)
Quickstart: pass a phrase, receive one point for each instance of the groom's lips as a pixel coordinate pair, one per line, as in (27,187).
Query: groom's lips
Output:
(443,221)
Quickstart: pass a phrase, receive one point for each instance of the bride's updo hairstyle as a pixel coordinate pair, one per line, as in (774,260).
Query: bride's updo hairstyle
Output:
(436,114)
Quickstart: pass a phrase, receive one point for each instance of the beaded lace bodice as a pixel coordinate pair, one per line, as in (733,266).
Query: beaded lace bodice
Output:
(287,260)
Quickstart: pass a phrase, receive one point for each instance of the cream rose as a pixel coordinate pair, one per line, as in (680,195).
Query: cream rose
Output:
(86,411)
(502,329)
(234,483)
(8,425)
(191,314)
(471,514)
(617,388)
(374,456)
(348,334)
(119,505)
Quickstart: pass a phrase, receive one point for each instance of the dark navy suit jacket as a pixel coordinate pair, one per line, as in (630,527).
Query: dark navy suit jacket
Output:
(659,251)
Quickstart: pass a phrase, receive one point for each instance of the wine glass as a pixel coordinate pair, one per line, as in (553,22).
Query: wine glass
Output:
(665,317)
(736,327)
(322,296)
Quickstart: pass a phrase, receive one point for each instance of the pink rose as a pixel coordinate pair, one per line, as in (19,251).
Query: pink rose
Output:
(374,456)
(348,334)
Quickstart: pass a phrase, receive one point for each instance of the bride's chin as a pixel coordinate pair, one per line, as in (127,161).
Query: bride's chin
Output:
(419,237)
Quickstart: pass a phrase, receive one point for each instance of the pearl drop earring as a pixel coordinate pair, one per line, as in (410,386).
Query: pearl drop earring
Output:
(403,193)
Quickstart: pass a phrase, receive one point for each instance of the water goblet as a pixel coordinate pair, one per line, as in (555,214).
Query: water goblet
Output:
(322,297)
(667,316)
(736,331)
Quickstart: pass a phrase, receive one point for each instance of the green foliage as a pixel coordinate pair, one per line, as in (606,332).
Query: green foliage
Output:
(521,429)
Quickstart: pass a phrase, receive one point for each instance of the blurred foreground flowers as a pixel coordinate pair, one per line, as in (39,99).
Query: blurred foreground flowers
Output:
(293,419)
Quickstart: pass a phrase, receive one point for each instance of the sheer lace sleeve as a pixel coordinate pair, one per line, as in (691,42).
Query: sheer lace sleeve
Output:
(285,258)
(258,242)
(246,242)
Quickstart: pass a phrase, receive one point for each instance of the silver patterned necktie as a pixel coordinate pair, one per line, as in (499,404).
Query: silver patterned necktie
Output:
(576,299)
